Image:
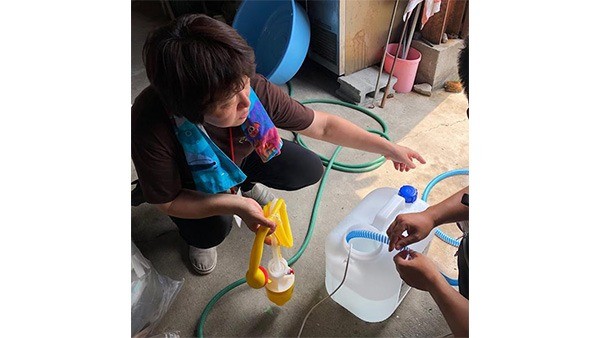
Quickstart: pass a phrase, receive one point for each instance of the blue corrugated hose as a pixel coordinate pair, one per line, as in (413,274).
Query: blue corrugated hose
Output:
(436,180)
(385,240)
(438,232)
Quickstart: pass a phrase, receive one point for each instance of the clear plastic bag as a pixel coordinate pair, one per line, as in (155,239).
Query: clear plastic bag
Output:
(151,294)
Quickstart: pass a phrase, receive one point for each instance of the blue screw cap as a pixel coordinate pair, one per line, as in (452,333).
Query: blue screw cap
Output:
(409,193)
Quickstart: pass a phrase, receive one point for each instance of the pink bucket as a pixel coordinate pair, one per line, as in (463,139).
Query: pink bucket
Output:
(405,70)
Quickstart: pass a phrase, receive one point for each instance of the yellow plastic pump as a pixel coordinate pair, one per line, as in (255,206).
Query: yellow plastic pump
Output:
(278,279)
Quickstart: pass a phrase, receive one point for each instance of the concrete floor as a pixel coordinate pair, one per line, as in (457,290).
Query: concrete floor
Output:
(435,126)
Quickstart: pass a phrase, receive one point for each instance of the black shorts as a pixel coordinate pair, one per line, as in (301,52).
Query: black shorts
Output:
(463,267)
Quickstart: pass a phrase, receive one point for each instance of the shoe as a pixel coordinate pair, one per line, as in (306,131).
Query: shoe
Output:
(260,194)
(203,261)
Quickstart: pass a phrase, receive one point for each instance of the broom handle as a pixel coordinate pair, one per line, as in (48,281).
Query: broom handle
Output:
(387,86)
(383,57)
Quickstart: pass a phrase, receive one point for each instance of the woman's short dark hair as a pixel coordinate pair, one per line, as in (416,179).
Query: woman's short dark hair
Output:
(195,62)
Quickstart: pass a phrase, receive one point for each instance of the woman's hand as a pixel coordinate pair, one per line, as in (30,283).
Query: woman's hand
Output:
(252,214)
(402,157)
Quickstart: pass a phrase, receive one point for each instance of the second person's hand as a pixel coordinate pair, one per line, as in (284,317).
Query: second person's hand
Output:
(417,270)
(417,225)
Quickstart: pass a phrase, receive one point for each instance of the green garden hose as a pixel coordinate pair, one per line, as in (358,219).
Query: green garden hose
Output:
(329,163)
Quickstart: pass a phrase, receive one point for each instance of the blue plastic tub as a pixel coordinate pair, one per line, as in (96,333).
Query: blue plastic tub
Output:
(279,33)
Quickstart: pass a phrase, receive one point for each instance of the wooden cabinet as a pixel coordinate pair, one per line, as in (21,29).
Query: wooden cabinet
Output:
(349,35)
(452,19)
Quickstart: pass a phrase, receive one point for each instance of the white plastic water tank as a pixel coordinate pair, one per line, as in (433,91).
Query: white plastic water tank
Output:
(373,289)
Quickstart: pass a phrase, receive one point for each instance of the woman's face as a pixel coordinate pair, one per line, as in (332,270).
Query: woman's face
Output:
(233,111)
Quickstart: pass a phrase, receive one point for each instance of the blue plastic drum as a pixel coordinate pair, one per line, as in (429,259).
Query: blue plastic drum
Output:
(279,33)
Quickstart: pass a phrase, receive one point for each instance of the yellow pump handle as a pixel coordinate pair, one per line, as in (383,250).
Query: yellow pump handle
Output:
(278,213)
(256,277)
